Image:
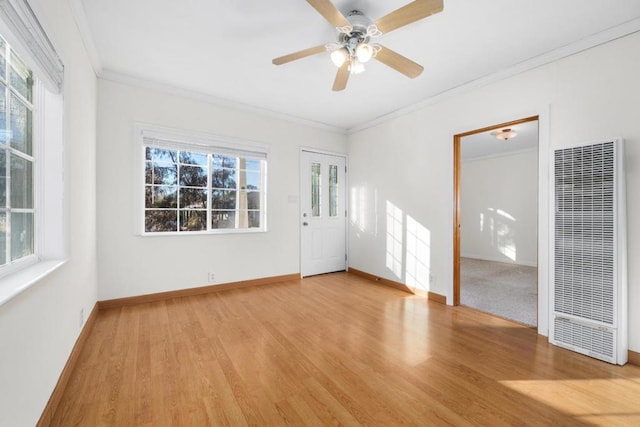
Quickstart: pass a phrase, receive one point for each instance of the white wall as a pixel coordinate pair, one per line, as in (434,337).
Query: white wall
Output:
(408,161)
(39,327)
(499,208)
(134,265)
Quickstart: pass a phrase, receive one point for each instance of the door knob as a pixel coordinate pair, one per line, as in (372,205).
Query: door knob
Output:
(305,223)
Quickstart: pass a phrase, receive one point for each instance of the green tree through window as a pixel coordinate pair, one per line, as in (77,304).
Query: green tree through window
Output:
(189,191)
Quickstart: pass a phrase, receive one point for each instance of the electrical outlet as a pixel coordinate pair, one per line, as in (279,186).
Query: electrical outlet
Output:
(211,277)
(81,317)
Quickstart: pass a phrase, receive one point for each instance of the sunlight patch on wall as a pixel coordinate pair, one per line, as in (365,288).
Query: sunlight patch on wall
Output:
(502,232)
(418,255)
(358,207)
(363,216)
(394,239)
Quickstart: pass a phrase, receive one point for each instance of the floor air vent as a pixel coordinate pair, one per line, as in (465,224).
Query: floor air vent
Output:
(589,304)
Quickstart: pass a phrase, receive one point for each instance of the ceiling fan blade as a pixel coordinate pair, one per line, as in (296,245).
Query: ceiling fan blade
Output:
(399,63)
(409,13)
(330,12)
(299,55)
(341,78)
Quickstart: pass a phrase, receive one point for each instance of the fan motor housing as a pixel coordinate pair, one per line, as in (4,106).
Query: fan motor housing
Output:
(359,22)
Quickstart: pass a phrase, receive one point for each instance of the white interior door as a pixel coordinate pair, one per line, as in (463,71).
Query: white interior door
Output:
(323,213)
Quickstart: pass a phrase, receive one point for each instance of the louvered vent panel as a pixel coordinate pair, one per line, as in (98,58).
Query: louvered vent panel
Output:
(598,342)
(589,254)
(584,232)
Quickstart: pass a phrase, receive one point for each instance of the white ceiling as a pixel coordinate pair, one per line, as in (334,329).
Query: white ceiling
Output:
(223,49)
(483,145)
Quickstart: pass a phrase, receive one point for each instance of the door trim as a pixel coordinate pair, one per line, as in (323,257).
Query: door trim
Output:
(456,196)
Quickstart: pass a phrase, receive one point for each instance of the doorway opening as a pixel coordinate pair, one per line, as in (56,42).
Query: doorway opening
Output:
(496,220)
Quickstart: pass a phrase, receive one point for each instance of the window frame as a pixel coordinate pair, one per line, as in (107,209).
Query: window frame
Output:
(12,94)
(149,135)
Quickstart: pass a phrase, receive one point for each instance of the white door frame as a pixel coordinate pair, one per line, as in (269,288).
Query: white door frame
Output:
(346,180)
(545,158)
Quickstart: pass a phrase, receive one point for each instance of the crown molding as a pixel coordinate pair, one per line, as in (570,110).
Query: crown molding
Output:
(127,79)
(586,43)
(80,18)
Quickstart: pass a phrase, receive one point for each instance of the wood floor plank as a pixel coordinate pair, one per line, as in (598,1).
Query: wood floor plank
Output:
(333,349)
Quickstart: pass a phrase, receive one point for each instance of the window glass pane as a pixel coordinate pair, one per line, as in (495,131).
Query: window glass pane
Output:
(161,196)
(223,199)
(253,180)
(191,220)
(161,174)
(3,178)
(223,178)
(253,165)
(3,238)
(193,176)
(253,200)
(193,158)
(21,235)
(21,124)
(4,134)
(333,190)
(21,77)
(223,219)
(193,198)
(160,155)
(254,219)
(315,189)
(224,161)
(156,221)
(21,183)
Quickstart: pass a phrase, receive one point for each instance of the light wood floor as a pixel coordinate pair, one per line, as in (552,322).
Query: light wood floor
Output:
(333,349)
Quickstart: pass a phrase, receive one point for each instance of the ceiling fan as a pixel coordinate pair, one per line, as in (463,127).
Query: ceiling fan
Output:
(353,46)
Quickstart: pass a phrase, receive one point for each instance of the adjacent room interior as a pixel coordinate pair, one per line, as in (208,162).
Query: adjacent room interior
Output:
(177,177)
(499,222)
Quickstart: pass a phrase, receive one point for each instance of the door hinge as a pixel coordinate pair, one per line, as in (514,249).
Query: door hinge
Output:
(345,169)
(345,257)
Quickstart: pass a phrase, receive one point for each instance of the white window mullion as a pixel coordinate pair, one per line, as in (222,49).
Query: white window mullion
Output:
(209,189)
(237,208)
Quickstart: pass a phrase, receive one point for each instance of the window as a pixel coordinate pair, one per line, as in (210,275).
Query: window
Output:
(16,157)
(33,240)
(205,187)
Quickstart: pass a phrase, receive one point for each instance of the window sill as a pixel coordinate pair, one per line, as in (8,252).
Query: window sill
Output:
(218,232)
(16,283)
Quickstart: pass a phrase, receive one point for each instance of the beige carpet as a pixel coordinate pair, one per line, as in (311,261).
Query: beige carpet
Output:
(506,290)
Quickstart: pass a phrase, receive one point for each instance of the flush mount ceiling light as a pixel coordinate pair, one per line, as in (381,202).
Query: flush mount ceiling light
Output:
(353,46)
(504,134)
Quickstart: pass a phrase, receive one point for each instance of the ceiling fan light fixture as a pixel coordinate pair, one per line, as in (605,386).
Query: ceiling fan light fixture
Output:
(505,134)
(364,52)
(356,66)
(354,32)
(338,56)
